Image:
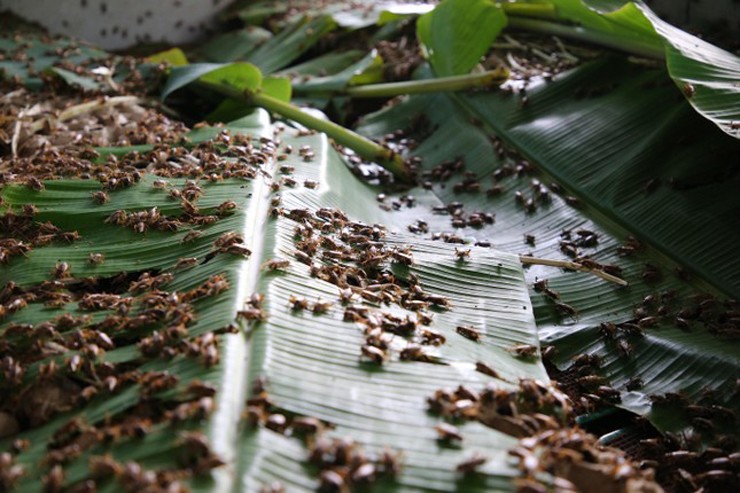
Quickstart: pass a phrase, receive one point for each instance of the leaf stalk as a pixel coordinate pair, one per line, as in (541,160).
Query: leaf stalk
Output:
(564,264)
(364,147)
(448,84)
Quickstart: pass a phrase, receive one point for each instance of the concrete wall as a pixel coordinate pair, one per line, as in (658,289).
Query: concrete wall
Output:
(116,24)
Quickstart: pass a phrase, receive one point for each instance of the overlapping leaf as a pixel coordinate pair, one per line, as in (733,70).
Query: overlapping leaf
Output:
(618,155)
(69,205)
(378,407)
(447,133)
(71,61)
(28,63)
(297,353)
(456,34)
(703,72)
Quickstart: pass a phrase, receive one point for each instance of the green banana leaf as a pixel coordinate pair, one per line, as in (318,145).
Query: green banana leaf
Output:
(618,151)
(705,74)
(367,70)
(283,48)
(379,408)
(618,136)
(233,46)
(667,359)
(324,65)
(69,205)
(311,362)
(457,33)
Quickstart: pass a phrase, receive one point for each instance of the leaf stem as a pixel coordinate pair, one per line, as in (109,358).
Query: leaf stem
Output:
(634,46)
(452,83)
(564,264)
(364,147)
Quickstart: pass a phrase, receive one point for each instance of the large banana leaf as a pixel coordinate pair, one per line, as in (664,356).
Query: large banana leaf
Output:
(617,151)
(311,362)
(69,205)
(607,149)
(704,73)
(666,359)
(378,408)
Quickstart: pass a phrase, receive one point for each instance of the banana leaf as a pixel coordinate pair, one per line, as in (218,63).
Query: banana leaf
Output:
(383,408)
(327,64)
(311,363)
(232,46)
(616,150)
(704,73)
(666,359)
(456,34)
(285,47)
(69,205)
